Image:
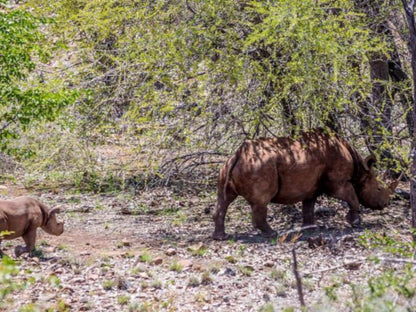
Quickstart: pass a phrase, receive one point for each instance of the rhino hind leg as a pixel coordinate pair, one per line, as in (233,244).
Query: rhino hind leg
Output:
(219,215)
(308,214)
(259,219)
(19,250)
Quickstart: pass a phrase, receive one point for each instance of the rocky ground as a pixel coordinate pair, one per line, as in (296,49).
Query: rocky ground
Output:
(152,251)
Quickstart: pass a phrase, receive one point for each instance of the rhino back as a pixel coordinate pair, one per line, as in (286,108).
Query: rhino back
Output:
(310,165)
(20,214)
(287,171)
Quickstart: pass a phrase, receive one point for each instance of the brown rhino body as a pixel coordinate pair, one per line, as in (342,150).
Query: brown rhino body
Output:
(22,217)
(286,171)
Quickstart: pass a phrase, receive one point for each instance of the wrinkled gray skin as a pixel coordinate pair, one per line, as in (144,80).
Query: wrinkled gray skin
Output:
(22,216)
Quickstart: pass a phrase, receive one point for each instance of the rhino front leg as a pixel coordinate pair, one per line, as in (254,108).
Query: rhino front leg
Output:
(308,214)
(259,218)
(347,193)
(30,239)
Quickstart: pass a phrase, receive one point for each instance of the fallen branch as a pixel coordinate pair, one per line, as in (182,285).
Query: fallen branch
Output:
(358,261)
(285,234)
(306,274)
(393,260)
(298,278)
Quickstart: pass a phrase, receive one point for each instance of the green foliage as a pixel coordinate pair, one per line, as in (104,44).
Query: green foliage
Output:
(8,284)
(123,300)
(198,251)
(388,244)
(246,270)
(268,307)
(24,97)
(176,266)
(108,284)
(392,288)
(175,77)
(146,257)
(233,65)
(318,52)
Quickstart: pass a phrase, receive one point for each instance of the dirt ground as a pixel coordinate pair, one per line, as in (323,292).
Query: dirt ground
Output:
(152,251)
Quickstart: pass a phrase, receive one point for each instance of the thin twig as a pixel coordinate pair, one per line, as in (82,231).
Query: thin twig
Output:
(298,278)
(359,261)
(299,229)
(187,157)
(394,260)
(306,274)
(190,8)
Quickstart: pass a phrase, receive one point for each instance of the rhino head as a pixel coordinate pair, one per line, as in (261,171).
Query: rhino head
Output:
(371,192)
(51,225)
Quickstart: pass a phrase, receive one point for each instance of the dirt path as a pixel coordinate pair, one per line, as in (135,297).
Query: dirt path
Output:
(153,252)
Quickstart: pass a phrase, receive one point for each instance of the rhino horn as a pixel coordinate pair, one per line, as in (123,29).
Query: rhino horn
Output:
(394,184)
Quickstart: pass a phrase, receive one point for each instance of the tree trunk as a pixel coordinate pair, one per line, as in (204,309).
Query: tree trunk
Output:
(410,17)
(376,110)
(399,77)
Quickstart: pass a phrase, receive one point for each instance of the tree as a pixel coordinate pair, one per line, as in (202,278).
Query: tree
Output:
(24,97)
(388,79)
(202,75)
(242,64)
(409,8)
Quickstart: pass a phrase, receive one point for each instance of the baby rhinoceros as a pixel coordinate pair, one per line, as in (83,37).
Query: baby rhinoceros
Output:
(22,216)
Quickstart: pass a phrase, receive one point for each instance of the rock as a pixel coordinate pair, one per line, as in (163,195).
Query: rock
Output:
(229,271)
(126,243)
(170,252)
(84,208)
(143,275)
(84,300)
(122,284)
(269,264)
(47,297)
(93,277)
(157,261)
(49,249)
(185,263)
(353,265)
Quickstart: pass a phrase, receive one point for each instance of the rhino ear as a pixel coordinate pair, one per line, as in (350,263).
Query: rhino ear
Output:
(53,211)
(369,162)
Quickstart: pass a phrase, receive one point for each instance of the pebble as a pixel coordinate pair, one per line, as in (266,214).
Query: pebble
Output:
(126,243)
(229,271)
(170,252)
(185,263)
(49,249)
(269,264)
(157,261)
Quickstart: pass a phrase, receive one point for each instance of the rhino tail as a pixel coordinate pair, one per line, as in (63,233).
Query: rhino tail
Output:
(231,165)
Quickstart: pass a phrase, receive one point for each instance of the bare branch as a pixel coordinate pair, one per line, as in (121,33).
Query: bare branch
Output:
(190,8)
(358,261)
(298,278)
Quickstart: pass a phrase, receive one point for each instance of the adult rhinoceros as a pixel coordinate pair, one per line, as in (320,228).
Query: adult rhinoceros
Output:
(285,170)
